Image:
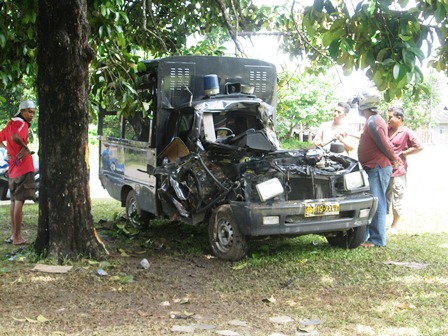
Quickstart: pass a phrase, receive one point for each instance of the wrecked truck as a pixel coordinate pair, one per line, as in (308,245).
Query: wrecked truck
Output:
(206,153)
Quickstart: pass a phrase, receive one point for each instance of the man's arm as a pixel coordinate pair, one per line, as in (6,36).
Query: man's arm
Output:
(379,135)
(24,150)
(414,144)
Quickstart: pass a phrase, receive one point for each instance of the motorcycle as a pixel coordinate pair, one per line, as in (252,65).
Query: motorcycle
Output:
(4,177)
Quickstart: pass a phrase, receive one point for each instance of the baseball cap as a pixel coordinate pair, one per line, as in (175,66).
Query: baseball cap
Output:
(368,99)
(24,105)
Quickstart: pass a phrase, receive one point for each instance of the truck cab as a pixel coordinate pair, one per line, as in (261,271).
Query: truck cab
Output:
(206,153)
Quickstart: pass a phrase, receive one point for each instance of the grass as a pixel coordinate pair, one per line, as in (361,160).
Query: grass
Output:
(349,292)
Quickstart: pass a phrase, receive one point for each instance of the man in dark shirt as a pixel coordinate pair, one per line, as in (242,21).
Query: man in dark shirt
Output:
(377,157)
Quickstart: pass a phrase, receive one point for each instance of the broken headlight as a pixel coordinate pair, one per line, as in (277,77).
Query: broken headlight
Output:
(356,180)
(269,189)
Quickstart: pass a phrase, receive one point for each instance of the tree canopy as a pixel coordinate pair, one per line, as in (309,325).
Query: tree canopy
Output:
(388,40)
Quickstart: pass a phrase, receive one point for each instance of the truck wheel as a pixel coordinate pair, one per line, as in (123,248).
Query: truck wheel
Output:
(350,239)
(138,217)
(226,240)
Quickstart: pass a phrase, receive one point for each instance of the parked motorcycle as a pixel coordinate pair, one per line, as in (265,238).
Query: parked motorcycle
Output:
(4,177)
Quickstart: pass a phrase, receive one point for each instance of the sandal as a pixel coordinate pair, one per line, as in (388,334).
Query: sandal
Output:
(366,244)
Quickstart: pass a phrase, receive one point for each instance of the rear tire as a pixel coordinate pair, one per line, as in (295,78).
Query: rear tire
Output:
(226,240)
(350,239)
(135,215)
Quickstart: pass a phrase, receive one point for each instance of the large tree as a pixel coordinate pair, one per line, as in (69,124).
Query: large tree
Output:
(65,222)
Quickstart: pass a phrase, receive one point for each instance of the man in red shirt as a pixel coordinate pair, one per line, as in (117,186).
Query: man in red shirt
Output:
(405,143)
(376,154)
(21,166)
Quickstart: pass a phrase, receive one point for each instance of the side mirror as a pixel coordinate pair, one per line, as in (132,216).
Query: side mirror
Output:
(336,147)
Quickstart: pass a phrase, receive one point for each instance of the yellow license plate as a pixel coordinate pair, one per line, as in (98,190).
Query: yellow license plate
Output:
(321,209)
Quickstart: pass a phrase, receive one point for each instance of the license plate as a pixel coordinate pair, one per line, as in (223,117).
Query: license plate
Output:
(321,209)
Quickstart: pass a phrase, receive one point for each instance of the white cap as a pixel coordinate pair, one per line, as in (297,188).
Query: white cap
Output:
(25,105)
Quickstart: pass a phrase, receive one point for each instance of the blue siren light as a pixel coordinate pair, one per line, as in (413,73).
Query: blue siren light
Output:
(211,85)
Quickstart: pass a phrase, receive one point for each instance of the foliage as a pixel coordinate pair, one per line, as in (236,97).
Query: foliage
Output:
(10,100)
(306,100)
(387,39)
(292,143)
(417,113)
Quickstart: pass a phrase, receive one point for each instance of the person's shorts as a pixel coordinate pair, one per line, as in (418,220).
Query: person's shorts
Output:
(23,187)
(395,194)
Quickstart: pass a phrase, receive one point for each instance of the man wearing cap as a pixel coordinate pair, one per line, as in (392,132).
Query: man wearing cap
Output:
(377,156)
(21,166)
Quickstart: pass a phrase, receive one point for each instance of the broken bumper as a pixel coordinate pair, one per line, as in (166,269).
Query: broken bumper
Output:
(287,218)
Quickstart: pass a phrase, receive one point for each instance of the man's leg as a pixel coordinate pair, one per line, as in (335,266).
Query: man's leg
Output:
(11,217)
(379,180)
(17,223)
(398,194)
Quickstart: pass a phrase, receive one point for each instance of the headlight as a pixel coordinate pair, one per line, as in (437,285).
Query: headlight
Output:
(269,189)
(356,180)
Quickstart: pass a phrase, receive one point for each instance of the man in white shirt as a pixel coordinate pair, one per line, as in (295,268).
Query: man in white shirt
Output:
(337,129)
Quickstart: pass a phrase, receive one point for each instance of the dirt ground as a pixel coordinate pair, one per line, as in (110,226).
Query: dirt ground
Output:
(178,294)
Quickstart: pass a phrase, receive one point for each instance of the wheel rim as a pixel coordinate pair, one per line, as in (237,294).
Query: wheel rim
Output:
(224,235)
(132,211)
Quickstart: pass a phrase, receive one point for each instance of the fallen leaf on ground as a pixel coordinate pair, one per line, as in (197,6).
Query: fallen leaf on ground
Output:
(182,301)
(407,264)
(271,300)
(281,319)
(123,253)
(189,329)
(143,314)
(238,323)
(205,326)
(227,333)
(406,306)
(51,268)
(240,267)
(42,319)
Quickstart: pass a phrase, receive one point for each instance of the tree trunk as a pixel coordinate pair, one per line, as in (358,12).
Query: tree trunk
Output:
(65,222)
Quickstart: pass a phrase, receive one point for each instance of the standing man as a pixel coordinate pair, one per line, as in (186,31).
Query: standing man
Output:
(337,129)
(376,154)
(21,166)
(405,143)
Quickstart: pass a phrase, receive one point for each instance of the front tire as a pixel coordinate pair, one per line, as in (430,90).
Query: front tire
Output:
(226,240)
(350,239)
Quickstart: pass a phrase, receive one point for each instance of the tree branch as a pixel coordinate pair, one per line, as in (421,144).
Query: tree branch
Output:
(162,42)
(227,21)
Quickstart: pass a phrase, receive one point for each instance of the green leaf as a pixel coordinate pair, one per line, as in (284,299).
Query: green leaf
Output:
(388,61)
(2,40)
(333,50)
(404,37)
(408,58)
(418,52)
(383,53)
